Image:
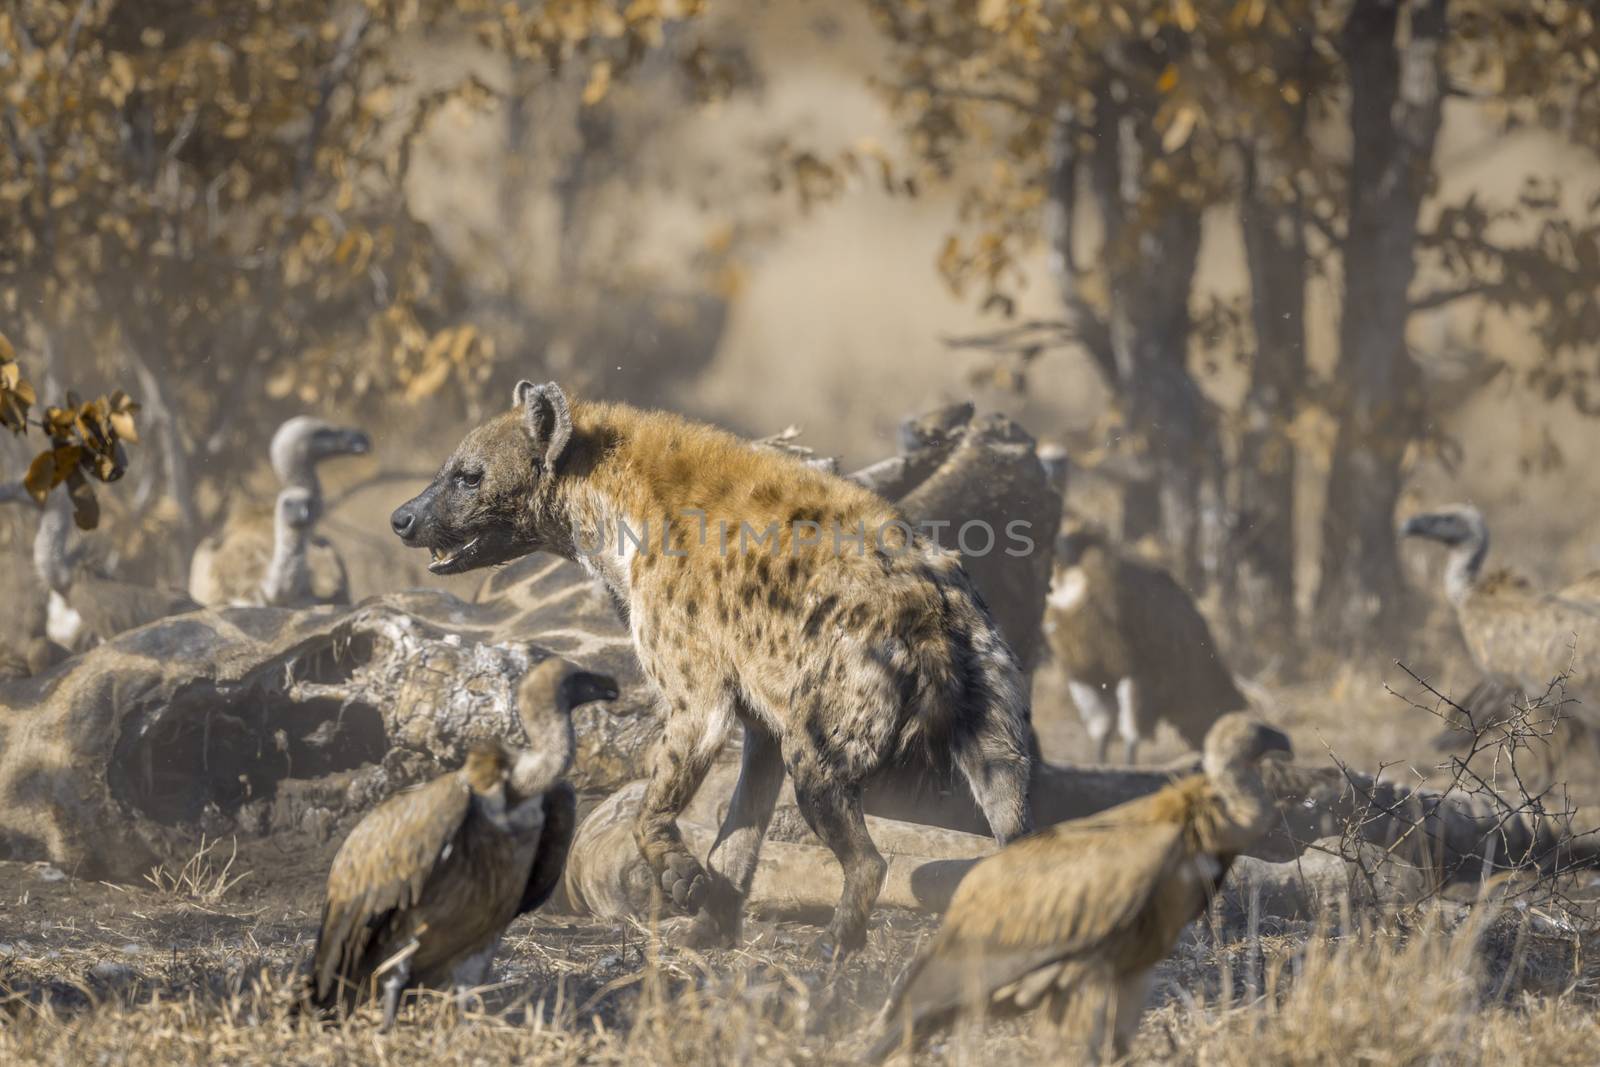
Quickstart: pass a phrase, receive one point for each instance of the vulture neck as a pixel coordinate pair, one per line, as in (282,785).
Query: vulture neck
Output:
(539,767)
(299,471)
(288,577)
(50,556)
(1461,572)
(1246,806)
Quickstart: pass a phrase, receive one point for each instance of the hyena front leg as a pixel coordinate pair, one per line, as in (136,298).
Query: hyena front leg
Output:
(738,845)
(689,743)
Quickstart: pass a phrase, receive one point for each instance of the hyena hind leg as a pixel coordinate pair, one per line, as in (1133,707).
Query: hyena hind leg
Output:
(833,811)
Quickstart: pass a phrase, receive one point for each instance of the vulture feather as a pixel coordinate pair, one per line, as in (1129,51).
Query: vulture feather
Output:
(85,608)
(1134,647)
(231,566)
(426,883)
(1520,639)
(1073,918)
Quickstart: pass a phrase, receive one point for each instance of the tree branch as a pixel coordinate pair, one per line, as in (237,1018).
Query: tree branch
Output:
(1442,297)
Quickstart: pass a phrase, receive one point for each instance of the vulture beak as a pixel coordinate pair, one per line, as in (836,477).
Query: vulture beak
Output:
(1273,740)
(1418,526)
(352,443)
(585,687)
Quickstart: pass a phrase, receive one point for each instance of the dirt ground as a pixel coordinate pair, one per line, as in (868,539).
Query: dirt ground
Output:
(198,965)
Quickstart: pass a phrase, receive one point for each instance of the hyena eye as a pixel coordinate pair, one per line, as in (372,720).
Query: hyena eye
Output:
(470,479)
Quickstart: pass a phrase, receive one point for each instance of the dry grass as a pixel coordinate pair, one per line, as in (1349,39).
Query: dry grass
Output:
(1449,985)
(204,878)
(199,968)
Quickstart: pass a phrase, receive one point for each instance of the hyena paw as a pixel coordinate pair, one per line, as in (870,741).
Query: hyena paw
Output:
(684,881)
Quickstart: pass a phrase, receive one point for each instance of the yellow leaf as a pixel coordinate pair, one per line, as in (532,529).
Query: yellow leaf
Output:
(122,425)
(1168,80)
(1179,129)
(40,478)
(463,344)
(599,82)
(992,13)
(63,195)
(7,353)
(428,382)
(1183,12)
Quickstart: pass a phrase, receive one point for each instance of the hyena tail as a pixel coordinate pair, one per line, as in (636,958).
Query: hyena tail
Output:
(996,749)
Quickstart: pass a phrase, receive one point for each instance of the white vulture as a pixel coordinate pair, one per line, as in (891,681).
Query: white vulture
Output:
(1074,918)
(289,581)
(422,889)
(1134,647)
(85,608)
(230,566)
(1513,632)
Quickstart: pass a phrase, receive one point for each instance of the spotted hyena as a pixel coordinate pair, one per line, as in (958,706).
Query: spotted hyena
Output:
(759,592)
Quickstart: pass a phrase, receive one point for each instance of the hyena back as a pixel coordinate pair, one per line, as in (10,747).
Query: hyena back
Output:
(759,592)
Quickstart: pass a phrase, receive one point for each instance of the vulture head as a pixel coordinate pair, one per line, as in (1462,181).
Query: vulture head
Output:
(303,442)
(1460,528)
(1076,538)
(1238,741)
(545,702)
(934,427)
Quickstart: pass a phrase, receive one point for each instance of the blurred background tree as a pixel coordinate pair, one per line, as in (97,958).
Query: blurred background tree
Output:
(1110,131)
(207,203)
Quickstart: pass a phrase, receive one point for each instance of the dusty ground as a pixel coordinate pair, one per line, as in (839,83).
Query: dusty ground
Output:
(200,968)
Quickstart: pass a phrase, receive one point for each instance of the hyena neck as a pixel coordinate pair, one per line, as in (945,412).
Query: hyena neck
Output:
(603,536)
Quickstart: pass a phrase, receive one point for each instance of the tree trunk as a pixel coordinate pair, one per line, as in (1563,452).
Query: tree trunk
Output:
(1152,244)
(1262,535)
(1396,99)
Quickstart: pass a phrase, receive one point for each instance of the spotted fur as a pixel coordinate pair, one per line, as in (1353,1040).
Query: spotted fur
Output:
(836,657)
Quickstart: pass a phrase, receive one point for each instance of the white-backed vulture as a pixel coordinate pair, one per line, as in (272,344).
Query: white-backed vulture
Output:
(86,608)
(426,883)
(1077,915)
(1512,631)
(229,566)
(1133,645)
(289,581)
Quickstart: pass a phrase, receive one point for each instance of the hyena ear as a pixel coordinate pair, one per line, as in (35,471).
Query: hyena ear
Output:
(546,417)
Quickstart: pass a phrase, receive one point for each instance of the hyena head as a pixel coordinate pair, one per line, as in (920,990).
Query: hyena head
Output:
(494,499)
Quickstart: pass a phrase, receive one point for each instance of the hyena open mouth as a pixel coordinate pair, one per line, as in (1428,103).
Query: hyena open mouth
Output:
(453,562)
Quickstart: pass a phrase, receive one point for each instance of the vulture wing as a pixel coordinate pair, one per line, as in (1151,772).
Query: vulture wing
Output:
(560,822)
(1037,913)
(1530,638)
(227,568)
(1186,678)
(109,607)
(379,871)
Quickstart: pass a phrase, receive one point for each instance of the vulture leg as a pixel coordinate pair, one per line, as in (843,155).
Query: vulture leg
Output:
(1128,719)
(1132,994)
(472,974)
(733,856)
(833,811)
(1098,715)
(393,986)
